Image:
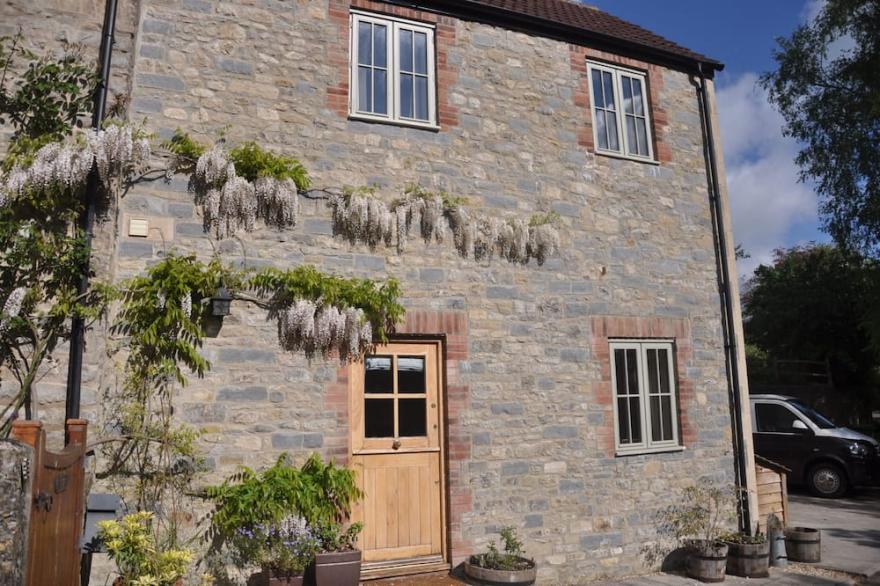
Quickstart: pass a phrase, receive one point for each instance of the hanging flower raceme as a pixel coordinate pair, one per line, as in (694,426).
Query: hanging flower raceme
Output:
(317,329)
(12,306)
(230,202)
(115,151)
(361,217)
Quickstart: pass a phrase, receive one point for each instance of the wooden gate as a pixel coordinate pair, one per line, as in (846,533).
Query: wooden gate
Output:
(57,506)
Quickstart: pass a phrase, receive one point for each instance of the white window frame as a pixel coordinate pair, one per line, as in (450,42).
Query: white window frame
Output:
(395,25)
(647,445)
(623,139)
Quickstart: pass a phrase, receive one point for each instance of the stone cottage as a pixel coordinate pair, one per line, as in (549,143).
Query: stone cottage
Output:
(572,399)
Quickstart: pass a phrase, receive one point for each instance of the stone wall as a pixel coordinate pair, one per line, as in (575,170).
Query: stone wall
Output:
(16,463)
(529,434)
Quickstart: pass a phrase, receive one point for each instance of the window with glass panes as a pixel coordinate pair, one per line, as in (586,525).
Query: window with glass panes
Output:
(643,381)
(621,122)
(392,70)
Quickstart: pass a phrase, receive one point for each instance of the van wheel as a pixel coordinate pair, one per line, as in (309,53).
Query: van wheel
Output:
(827,480)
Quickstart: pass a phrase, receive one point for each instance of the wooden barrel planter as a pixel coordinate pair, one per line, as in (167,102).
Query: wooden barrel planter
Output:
(749,560)
(803,544)
(707,564)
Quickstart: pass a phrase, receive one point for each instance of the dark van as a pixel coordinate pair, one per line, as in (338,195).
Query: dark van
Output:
(826,458)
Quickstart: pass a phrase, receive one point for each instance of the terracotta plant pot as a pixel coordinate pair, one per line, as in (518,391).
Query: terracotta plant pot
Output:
(749,560)
(526,576)
(707,562)
(338,568)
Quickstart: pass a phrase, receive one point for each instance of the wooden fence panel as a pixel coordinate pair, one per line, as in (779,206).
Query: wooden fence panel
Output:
(57,506)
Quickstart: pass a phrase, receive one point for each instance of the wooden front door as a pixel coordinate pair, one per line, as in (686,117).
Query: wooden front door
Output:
(396,439)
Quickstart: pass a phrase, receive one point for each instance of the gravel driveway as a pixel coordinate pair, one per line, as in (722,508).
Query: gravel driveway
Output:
(850,528)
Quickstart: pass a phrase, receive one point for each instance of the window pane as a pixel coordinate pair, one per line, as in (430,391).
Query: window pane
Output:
(380,96)
(601,130)
(410,374)
(635,419)
(421,53)
(598,101)
(365,102)
(406,50)
(406,95)
(611,122)
(380,45)
(632,372)
(365,56)
(421,98)
(656,430)
(642,131)
(412,417)
(666,417)
(664,371)
(377,375)
(638,100)
(609,90)
(379,417)
(620,371)
(774,418)
(653,381)
(623,421)
(627,95)
(631,138)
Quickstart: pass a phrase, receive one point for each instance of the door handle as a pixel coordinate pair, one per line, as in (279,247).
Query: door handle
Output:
(395,445)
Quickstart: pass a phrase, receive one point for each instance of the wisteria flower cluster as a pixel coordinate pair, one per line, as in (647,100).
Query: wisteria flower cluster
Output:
(361,217)
(229,202)
(319,329)
(115,150)
(12,306)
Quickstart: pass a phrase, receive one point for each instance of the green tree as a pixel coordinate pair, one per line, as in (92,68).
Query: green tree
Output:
(827,87)
(812,304)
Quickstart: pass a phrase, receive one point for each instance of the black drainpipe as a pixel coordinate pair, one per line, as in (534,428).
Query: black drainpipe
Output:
(730,347)
(87,220)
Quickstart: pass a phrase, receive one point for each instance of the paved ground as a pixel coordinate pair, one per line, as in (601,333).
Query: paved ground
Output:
(850,529)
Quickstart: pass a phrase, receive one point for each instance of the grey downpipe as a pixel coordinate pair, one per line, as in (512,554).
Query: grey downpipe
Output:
(87,220)
(730,346)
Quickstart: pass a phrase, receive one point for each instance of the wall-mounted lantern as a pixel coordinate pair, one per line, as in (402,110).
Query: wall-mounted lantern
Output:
(221,303)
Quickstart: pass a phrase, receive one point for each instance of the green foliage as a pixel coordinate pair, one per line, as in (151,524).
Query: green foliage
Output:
(513,558)
(185,149)
(331,536)
(50,96)
(139,560)
(827,88)
(702,516)
(253,161)
(318,492)
(812,304)
(379,302)
(542,218)
(415,191)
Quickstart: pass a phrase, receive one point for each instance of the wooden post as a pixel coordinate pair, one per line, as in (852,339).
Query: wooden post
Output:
(57,504)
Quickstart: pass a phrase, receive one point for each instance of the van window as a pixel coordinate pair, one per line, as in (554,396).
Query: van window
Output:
(820,420)
(773,418)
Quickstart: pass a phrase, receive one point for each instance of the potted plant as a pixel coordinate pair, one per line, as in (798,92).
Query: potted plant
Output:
(338,560)
(510,567)
(139,560)
(748,555)
(334,491)
(698,522)
(276,520)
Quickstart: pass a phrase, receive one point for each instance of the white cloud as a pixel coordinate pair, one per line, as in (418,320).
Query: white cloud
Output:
(766,198)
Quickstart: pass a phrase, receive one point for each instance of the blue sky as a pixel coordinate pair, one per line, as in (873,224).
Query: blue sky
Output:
(770,208)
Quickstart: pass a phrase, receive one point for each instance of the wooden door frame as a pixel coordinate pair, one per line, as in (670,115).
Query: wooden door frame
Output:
(399,568)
